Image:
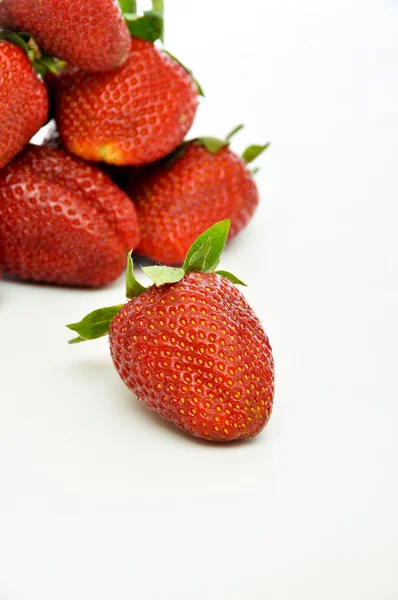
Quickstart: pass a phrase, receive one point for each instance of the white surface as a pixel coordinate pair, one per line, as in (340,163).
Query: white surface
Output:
(100,499)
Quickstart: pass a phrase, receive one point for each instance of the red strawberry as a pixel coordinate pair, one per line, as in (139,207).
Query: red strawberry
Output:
(90,34)
(24,101)
(190,347)
(134,115)
(177,199)
(63,221)
(119,175)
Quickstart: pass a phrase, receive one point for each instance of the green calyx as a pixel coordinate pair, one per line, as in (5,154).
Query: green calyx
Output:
(234,131)
(133,287)
(147,25)
(128,6)
(95,324)
(41,61)
(203,257)
(213,145)
(161,274)
(158,5)
(204,254)
(252,152)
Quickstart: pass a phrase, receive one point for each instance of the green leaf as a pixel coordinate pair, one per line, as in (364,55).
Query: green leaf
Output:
(40,69)
(41,61)
(48,62)
(133,287)
(214,267)
(19,39)
(200,257)
(158,6)
(234,131)
(77,340)
(231,277)
(161,275)
(128,6)
(212,144)
(148,27)
(95,324)
(200,89)
(253,151)
(207,249)
(255,171)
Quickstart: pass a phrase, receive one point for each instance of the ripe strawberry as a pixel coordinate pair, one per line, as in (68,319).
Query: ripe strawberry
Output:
(178,198)
(63,221)
(90,34)
(119,175)
(190,347)
(132,116)
(24,101)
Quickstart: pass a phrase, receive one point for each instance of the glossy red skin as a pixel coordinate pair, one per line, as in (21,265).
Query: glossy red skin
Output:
(195,353)
(132,116)
(23,101)
(90,34)
(63,221)
(176,204)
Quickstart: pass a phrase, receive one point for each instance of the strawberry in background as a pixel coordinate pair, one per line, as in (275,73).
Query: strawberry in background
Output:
(63,221)
(91,34)
(24,99)
(135,114)
(132,116)
(201,182)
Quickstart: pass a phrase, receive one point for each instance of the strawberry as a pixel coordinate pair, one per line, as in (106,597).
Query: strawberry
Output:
(178,198)
(63,221)
(190,347)
(90,34)
(131,116)
(119,175)
(24,101)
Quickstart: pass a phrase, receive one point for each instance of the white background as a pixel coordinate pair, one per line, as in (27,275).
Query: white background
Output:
(101,499)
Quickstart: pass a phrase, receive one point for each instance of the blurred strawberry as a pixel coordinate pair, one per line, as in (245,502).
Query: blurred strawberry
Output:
(132,116)
(91,34)
(63,221)
(24,101)
(176,199)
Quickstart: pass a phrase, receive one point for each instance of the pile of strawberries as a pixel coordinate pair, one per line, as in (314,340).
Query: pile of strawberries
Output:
(116,176)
